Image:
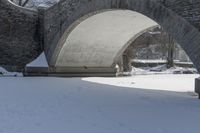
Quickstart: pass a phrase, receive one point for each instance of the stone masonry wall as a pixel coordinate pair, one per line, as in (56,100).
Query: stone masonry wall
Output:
(188,9)
(19,38)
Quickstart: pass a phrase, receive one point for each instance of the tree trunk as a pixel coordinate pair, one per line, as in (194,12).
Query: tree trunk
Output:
(170,56)
(20,2)
(126,63)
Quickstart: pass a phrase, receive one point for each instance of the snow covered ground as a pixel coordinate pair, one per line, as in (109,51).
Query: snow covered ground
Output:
(138,104)
(168,82)
(4,72)
(142,103)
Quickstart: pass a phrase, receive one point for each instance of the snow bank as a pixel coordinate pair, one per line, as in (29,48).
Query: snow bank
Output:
(4,72)
(162,69)
(167,82)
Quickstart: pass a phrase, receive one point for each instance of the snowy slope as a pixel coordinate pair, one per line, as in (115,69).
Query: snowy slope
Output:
(4,72)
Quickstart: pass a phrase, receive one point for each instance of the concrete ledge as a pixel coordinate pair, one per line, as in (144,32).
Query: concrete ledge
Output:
(197,86)
(69,72)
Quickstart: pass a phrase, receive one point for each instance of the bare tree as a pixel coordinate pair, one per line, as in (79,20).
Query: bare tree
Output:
(171,50)
(20,2)
(168,44)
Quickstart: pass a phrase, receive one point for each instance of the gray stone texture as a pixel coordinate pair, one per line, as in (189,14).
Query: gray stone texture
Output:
(19,38)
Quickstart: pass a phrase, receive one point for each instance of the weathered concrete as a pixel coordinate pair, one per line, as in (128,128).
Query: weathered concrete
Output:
(19,36)
(99,40)
(69,72)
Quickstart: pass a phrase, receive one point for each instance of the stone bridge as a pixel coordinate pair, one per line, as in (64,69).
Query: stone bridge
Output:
(25,33)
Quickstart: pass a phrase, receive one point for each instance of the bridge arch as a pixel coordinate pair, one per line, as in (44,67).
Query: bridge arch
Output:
(67,12)
(99,40)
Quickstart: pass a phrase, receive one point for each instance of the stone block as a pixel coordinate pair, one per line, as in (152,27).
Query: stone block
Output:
(197,86)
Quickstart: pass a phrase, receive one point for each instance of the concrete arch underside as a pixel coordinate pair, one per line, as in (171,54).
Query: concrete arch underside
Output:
(165,13)
(99,41)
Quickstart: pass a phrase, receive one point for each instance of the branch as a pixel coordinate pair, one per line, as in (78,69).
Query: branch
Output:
(24,4)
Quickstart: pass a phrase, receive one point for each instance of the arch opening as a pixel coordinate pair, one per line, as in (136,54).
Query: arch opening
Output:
(156,52)
(100,40)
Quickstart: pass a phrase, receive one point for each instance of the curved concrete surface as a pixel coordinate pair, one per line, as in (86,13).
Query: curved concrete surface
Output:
(99,40)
